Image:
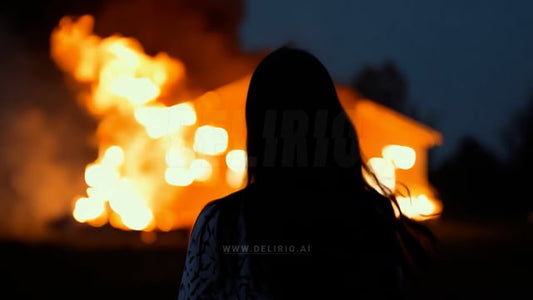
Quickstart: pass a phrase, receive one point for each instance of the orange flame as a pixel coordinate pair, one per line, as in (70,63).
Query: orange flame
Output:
(145,146)
(419,206)
(150,154)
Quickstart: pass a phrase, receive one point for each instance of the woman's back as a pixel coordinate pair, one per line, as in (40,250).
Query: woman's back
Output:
(307,224)
(294,257)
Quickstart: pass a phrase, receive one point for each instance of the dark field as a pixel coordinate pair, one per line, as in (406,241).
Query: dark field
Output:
(476,259)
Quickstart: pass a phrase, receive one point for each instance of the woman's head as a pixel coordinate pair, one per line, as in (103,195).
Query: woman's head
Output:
(299,136)
(296,126)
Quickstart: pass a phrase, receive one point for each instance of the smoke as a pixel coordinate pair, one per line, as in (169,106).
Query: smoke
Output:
(203,34)
(42,184)
(44,142)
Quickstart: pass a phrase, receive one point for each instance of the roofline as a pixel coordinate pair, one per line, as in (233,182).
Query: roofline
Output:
(430,135)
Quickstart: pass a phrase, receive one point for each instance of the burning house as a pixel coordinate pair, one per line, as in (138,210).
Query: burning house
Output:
(171,128)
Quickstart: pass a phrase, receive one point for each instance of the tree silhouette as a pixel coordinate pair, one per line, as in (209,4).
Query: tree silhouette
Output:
(387,85)
(472,183)
(518,136)
(383,84)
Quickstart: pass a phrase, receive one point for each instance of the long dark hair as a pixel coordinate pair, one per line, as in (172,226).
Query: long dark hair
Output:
(306,186)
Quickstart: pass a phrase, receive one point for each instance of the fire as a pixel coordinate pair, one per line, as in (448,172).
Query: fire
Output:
(210,140)
(394,157)
(146,150)
(402,157)
(152,155)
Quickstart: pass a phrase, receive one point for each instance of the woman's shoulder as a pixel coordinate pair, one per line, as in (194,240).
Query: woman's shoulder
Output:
(211,213)
(217,214)
(232,201)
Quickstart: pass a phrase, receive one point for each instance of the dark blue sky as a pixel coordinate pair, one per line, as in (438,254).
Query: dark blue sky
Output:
(468,64)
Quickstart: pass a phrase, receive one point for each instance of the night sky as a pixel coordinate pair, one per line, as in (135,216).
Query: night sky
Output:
(468,64)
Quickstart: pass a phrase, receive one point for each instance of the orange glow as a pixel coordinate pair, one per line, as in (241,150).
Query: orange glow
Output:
(87,209)
(201,169)
(236,160)
(418,207)
(121,75)
(384,171)
(210,140)
(401,156)
(146,148)
(179,176)
(160,120)
(158,164)
(179,157)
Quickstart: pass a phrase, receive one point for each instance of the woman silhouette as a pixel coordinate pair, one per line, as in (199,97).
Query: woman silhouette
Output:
(307,224)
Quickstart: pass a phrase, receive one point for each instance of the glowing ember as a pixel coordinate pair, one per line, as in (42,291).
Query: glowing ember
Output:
(418,207)
(236,160)
(201,169)
(401,156)
(384,170)
(87,209)
(210,140)
(160,120)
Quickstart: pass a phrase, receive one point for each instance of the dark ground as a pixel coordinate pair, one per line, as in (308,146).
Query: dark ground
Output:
(480,259)
(477,259)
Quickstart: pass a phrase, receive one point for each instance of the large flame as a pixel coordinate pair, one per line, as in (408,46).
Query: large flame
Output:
(147,150)
(150,153)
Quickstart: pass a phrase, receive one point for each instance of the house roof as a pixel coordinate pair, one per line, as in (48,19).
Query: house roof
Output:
(366,113)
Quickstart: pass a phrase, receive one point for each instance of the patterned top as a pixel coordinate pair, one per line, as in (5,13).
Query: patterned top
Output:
(366,269)
(202,265)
